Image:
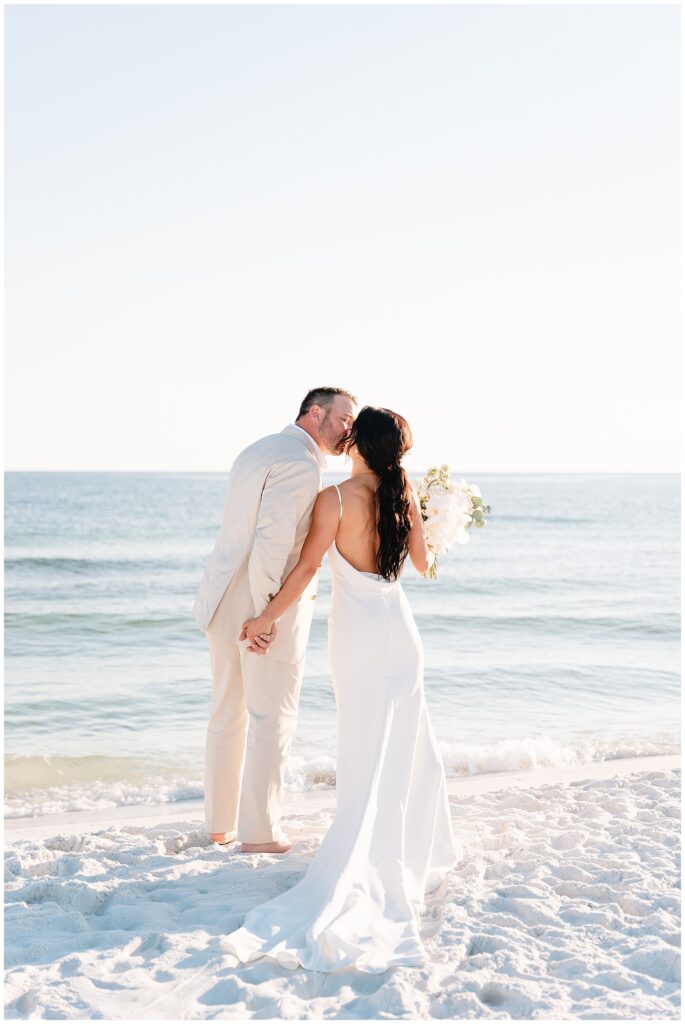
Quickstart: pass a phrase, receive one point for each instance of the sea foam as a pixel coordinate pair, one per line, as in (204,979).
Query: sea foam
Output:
(91,783)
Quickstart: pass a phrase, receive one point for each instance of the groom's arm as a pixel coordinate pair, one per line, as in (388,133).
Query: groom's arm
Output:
(289,493)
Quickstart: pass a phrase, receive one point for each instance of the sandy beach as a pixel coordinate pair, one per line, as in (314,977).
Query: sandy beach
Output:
(565,905)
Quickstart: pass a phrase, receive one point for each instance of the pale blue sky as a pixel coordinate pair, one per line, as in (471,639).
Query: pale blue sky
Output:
(468,214)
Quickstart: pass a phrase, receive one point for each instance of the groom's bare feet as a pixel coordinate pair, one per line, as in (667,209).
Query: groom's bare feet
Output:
(278,846)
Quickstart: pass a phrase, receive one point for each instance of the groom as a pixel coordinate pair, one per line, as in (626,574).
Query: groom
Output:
(271,491)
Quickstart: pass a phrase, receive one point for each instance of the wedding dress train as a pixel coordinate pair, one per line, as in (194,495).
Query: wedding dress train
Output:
(391,841)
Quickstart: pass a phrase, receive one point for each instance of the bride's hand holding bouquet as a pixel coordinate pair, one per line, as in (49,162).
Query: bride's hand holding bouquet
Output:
(449,510)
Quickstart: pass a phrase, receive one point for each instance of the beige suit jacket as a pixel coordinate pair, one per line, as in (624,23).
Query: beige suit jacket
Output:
(271,491)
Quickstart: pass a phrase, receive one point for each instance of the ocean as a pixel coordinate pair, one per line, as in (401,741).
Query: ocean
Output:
(552,637)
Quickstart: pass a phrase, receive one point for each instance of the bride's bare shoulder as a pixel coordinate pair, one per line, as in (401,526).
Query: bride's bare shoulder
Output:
(327,495)
(357,493)
(361,485)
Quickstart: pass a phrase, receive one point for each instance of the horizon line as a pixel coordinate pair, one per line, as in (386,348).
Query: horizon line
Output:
(484,472)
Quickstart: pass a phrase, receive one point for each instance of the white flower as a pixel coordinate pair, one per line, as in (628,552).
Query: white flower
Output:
(447,509)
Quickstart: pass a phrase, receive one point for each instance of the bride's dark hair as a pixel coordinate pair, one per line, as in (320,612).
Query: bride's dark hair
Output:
(382,437)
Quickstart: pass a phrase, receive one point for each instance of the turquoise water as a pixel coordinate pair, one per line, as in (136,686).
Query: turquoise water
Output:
(552,637)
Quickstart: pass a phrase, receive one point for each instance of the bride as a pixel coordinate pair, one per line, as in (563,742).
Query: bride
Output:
(391,841)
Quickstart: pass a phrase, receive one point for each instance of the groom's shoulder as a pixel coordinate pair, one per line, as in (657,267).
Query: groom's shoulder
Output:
(274,449)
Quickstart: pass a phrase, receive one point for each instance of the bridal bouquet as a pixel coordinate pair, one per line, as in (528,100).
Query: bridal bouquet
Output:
(449,510)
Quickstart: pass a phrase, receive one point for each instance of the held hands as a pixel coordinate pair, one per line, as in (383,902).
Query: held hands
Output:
(260,632)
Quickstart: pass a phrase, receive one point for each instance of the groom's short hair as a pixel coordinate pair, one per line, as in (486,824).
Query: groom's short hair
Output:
(323,397)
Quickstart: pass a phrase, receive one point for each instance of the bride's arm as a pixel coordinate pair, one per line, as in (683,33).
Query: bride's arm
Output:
(421,555)
(324,526)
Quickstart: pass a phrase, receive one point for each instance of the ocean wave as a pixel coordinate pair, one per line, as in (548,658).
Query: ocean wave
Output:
(658,624)
(104,623)
(37,786)
(92,783)
(465,759)
(100,623)
(73,564)
(462,759)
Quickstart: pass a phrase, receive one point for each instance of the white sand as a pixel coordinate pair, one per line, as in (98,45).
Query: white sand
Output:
(564,906)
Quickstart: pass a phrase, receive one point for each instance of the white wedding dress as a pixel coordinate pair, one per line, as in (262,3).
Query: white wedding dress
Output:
(391,841)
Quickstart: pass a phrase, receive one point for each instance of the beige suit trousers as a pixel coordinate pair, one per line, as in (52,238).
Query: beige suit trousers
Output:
(249,735)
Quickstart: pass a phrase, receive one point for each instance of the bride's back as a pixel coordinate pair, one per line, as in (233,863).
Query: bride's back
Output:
(357,539)
(378,439)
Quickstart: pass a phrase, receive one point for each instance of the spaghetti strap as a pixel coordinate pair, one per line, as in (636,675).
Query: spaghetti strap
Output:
(339,499)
